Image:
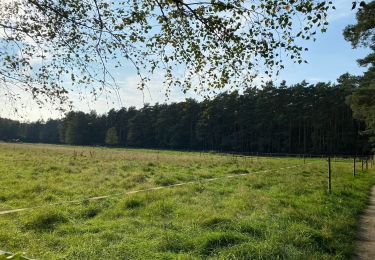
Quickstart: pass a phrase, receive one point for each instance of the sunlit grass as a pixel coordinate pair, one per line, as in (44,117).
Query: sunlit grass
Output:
(283,213)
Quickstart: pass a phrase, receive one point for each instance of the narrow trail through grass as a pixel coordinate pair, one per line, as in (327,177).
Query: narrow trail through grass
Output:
(365,245)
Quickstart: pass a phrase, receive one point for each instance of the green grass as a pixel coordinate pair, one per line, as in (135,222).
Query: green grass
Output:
(265,215)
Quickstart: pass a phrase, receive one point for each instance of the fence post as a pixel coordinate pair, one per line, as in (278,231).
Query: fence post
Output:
(367,164)
(362,164)
(354,166)
(329,175)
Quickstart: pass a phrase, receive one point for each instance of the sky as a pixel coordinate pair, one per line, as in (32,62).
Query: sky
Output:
(328,58)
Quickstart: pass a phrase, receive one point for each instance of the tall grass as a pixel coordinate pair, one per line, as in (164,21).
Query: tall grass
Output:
(262,215)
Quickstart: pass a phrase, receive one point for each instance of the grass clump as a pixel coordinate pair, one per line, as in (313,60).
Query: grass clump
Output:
(90,212)
(238,171)
(133,203)
(137,178)
(165,180)
(176,243)
(212,242)
(45,221)
(216,222)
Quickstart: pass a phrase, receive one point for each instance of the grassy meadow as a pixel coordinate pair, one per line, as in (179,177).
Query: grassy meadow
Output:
(257,214)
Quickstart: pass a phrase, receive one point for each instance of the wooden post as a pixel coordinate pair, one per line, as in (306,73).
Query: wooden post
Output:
(354,166)
(329,175)
(367,164)
(362,164)
(304,159)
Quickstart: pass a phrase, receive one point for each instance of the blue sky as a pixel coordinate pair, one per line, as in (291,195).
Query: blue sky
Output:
(328,58)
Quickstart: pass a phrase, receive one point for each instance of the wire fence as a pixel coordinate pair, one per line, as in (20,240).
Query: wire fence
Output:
(359,164)
(95,198)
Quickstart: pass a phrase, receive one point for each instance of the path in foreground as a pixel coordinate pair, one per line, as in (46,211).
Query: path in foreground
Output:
(365,248)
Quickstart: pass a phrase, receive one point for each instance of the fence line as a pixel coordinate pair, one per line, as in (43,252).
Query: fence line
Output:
(6,212)
(282,155)
(10,255)
(95,198)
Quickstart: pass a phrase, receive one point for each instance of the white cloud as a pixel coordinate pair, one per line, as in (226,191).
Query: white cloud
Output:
(127,95)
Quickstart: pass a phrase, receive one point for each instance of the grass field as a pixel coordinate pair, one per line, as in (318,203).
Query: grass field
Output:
(281,213)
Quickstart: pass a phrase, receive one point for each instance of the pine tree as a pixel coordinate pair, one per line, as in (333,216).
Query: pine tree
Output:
(111,137)
(362,34)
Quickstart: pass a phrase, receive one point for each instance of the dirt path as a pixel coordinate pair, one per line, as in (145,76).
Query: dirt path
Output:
(365,245)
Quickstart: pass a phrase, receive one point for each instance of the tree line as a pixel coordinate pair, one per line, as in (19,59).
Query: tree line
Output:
(301,118)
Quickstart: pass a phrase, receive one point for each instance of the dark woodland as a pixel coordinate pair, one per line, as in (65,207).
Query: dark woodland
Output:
(302,118)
